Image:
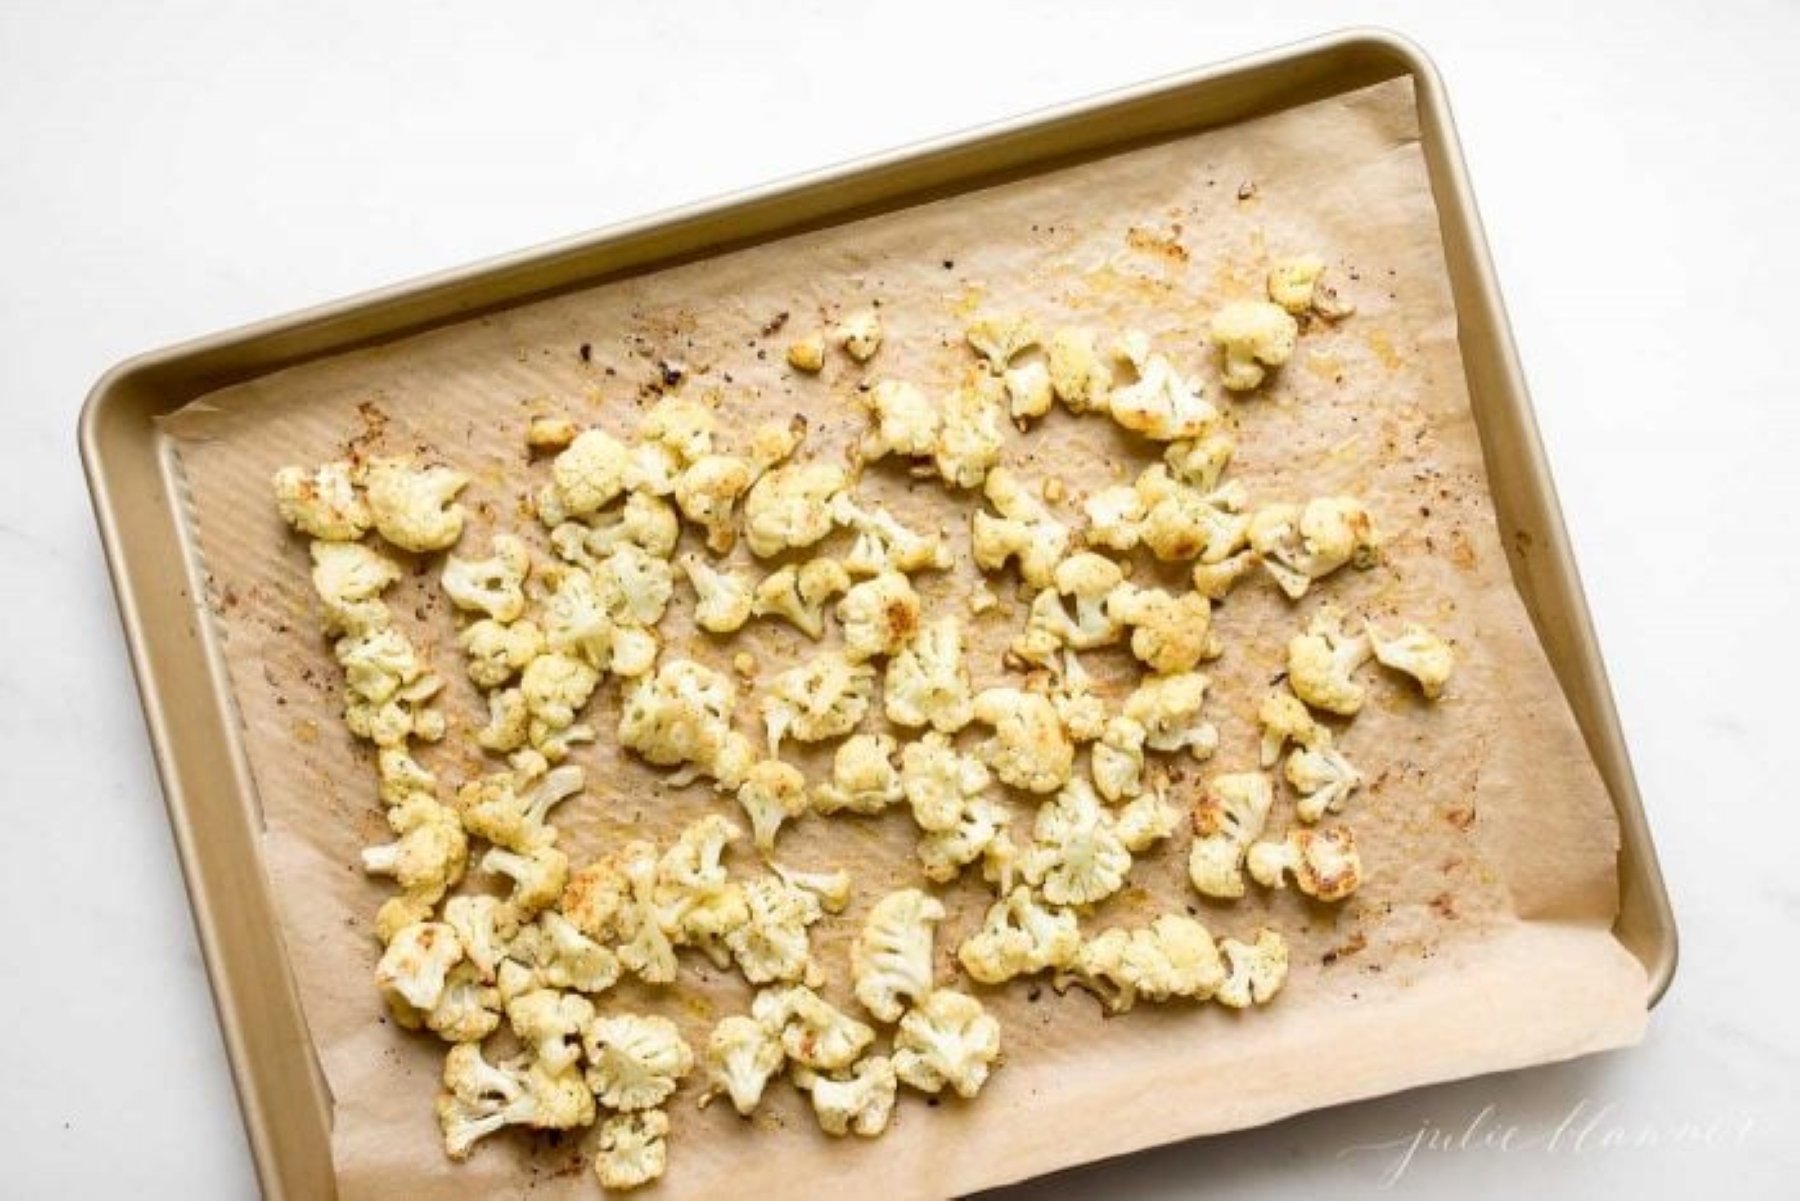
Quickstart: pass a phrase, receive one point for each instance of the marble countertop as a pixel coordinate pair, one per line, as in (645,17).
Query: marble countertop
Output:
(169,170)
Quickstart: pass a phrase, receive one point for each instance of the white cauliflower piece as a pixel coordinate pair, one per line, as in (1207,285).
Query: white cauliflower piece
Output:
(1216,580)
(928,682)
(1284,719)
(1087,580)
(1117,759)
(672,436)
(492,808)
(1173,957)
(538,877)
(791,507)
(469,1009)
(1323,778)
(1322,661)
(772,943)
(824,698)
(479,1099)
(635,1061)
(1026,530)
(859,334)
(615,900)
(772,794)
(645,521)
(1030,750)
(1291,282)
(561,956)
(417,963)
(548,433)
(890,961)
(576,621)
(813,1032)
(1081,710)
(1252,336)
(906,422)
(696,901)
(1417,652)
(1076,856)
(1001,337)
(1161,405)
(584,479)
(555,688)
(1300,545)
(1324,863)
(633,1150)
(1115,516)
(864,778)
(707,493)
(1227,819)
(723,598)
(878,616)
(864,1102)
(1169,634)
(972,432)
(938,781)
(494,585)
(1200,462)
(412,506)
(349,578)
(635,586)
(1254,972)
(401,776)
(979,833)
(551,1024)
(742,1055)
(883,544)
(497,652)
(1168,707)
(429,856)
(797,594)
(1029,392)
(1078,374)
(484,927)
(323,503)
(1182,523)
(1018,937)
(681,714)
(947,1040)
(1145,820)
(388,688)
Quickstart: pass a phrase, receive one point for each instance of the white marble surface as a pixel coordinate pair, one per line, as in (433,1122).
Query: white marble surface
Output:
(172,169)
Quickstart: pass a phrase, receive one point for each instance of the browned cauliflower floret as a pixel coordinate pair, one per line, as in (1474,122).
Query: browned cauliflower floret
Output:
(825,697)
(1299,545)
(972,432)
(1324,863)
(791,507)
(1029,750)
(1322,661)
(1078,374)
(323,503)
(1026,530)
(1417,652)
(1228,818)
(928,682)
(879,616)
(1168,633)
(1252,336)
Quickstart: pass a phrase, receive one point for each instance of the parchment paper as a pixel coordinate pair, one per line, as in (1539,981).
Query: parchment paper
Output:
(1480,940)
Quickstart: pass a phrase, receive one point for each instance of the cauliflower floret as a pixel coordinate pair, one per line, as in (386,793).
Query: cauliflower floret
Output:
(1078,374)
(979,833)
(878,616)
(864,1102)
(1030,750)
(1417,652)
(928,682)
(484,926)
(1076,856)
(555,688)
(1114,517)
(1323,778)
(884,545)
(1161,405)
(947,1039)
(584,479)
(723,598)
(389,690)
(1146,820)
(674,434)
(1025,530)
(322,503)
(538,877)
(1173,957)
(635,586)
(938,781)
(1200,462)
(1168,707)
(497,652)
(478,1099)
(494,585)
(509,722)
(1251,335)
(972,432)
(1291,282)
(1081,710)
(707,493)
(552,1024)
(492,808)
(791,507)
(614,899)
(859,334)
(906,422)
(576,621)
(1322,661)
(545,434)
(1298,546)
(823,698)
(813,1032)
(1284,719)
(412,507)
(772,943)
(350,578)
(401,776)
(742,1055)
(429,856)
(645,521)
(773,793)
(797,594)
(635,1061)
(681,714)
(1227,819)
(1216,580)
(561,956)
(1169,634)
(863,776)
(1182,523)
(1254,972)
(1018,937)
(1029,392)
(416,964)
(890,960)
(1117,760)
(1089,581)
(831,889)
(807,353)
(696,901)
(1324,862)
(468,1011)
(1001,337)
(633,1150)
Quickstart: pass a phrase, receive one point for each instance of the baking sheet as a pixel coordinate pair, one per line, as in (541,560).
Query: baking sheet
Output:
(1482,933)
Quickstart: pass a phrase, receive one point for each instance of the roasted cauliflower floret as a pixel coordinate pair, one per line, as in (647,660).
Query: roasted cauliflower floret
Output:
(791,507)
(696,901)
(537,876)
(1169,634)
(1029,750)
(979,833)
(1160,404)
(416,963)
(1019,936)
(1146,819)
(1200,462)
(1216,580)
(1076,856)
(1254,972)
(645,521)
(1000,338)
(349,578)
(413,507)
(672,436)
(615,900)
(584,479)
(824,698)
(478,1099)
(1071,691)
(813,1032)
(1115,517)
(1116,761)
(1284,719)
(723,598)
(1227,819)
(547,433)
(1026,530)
(1029,392)
(1299,545)
(550,1023)
(797,594)
(494,585)
(484,927)
(1182,523)
(497,652)
(772,943)
(1252,336)
(1168,707)
(428,857)
(707,493)
(1324,863)
(972,431)
(947,1040)
(1322,661)
(938,781)
(635,1061)
(1088,582)
(1078,374)
(1173,957)
(388,689)
(864,778)
(469,1009)
(555,688)
(863,1102)
(878,616)
(323,503)
(859,334)
(928,682)
(1291,282)
(742,1055)
(906,422)
(1417,652)
(884,545)
(890,960)
(561,956)
(492,807)
(772,794)
(633,1150)
(679,715)
(1323,778)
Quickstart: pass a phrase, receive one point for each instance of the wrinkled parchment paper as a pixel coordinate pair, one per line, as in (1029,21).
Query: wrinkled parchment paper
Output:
(1480,940)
